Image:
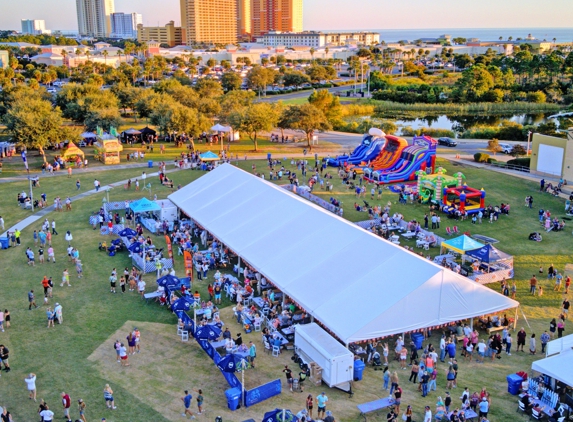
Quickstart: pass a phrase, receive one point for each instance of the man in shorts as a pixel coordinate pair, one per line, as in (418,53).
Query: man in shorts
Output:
(566,305)
(141,287)
(321,401)
(187,403)
(31,300)
(289,377)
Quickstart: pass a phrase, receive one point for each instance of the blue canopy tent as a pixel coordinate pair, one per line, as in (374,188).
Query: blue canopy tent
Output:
(490,255)
(209,156)
(144,205)
(168,280)
(461,244)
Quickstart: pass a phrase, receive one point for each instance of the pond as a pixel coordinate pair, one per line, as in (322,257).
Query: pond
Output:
(461,123)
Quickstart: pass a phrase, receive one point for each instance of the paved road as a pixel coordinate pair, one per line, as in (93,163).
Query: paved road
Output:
(305,94)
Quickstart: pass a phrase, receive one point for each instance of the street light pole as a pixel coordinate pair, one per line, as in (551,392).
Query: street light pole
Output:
(31,193)
(528,141)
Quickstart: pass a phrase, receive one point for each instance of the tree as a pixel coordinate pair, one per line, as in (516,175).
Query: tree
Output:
(211,62)
(260,117)
(536,97)
(518,151)
(306,118)
(295,78)
(34,123)
(493,146)
(231,81)
(327,103)
(259,77)
(104,118)
(233,101)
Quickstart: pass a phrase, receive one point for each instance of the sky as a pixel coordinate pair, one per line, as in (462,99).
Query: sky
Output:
(332,14)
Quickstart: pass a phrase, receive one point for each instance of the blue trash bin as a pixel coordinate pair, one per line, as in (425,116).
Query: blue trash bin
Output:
(4,243)
(514,384)
(358,370)
(268,155)
(150,164)
(418,339)
(233,398)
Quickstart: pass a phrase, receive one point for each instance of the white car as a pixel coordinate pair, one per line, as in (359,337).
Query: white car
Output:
(506,148)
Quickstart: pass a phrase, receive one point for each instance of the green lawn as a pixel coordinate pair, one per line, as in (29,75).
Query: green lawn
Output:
(72,357)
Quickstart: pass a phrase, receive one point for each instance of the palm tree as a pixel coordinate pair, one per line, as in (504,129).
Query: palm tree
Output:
(312,50)
(65,54)
(119,53)
(88,54)
(326,50)
(105,53)
(501,38)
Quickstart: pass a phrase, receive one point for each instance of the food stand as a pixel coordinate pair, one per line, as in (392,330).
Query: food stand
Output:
(73,154)
(108,147)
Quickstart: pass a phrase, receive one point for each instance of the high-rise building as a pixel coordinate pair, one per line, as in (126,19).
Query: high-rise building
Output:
(124,25)
(94,17)
(33,26)
(244,19)
(276,15)
(168,34)
(210,21)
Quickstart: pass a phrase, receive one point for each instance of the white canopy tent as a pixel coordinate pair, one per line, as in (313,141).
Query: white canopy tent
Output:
(220,128)
(558,345)
(558,367)
(357,284)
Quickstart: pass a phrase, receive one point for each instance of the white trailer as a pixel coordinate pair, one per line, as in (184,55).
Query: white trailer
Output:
(313,344)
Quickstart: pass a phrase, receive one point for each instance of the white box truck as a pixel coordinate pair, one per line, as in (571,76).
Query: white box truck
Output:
(313,344)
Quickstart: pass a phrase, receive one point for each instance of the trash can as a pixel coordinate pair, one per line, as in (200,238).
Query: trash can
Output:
(233,398)
(358,370)
(268,155)
(514,384)
(150,164)
(418,339)
(4,243)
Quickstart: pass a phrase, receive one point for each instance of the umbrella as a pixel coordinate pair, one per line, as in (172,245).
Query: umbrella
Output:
(182,304)
(127,232)
(232,362)
(135,247)
(280,415)
(168,280)
(207,332)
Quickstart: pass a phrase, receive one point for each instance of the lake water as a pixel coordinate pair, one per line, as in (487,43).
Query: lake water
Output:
(466,122)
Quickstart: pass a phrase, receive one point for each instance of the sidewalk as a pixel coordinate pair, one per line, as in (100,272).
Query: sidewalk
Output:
(31,219)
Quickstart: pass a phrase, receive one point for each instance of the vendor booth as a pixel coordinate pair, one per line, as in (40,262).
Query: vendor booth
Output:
(559,345)
(557,374)
(209,156)
(73,154)
(130,135)
(147,134)
(490,264)
(151,214)
(108,148)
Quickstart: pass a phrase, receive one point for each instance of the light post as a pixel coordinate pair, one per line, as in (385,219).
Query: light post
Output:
(528,141)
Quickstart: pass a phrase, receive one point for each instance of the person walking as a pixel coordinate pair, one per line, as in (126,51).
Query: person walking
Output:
(252,353)
(31,300)
(187,403)
(4,356)
(309,405)
(521,335)
(108,397)
(50,316)
(508,341)
(31,385)
(199,401)
(66,403)
(544,340)
(321,401)
(54,227)
(82,410)
(65,278)
(46,414)
(397,398)
(565,307)
(123,355)
(288,374)
(533,284)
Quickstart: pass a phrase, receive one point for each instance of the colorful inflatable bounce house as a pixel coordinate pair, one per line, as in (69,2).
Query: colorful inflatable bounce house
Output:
(429,186)
(370,147)
(398,162)
(462,198)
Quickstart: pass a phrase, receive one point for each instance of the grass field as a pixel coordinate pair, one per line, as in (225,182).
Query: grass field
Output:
(77,357)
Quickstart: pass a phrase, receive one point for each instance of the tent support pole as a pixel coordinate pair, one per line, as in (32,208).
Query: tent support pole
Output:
(239,267)
(515,319)
(472,324)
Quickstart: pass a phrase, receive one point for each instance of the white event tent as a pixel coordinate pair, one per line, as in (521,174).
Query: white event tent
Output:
(557,366)
(559,345)
(357,284)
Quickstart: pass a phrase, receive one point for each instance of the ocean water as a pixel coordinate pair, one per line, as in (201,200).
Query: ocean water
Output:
(483,34)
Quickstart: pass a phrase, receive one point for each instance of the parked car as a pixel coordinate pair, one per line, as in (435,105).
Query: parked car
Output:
(449,142)
(506,148)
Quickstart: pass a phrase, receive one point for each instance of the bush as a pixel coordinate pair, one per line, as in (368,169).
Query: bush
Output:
(481,157)
(523,162)
(492,161)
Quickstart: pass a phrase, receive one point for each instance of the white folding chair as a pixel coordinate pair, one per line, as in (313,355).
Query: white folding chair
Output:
(267,345)
(276,351)
(185,336)
(257,325)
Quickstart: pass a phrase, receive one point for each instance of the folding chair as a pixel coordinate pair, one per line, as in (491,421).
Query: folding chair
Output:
(276,351)
(449,231)
(455,228)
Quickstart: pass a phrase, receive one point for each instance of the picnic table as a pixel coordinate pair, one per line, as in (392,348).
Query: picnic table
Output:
(152,295)
(469,413)
(259,302)
(375,405)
